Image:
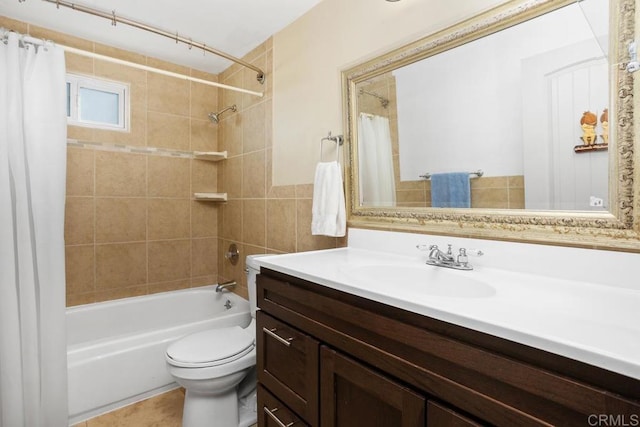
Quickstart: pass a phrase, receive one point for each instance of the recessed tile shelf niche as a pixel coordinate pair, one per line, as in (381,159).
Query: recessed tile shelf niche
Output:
(211,156)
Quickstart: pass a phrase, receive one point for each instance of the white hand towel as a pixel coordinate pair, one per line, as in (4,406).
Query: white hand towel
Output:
(328,213)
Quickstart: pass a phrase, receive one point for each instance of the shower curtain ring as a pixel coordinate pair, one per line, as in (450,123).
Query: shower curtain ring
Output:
(190,43)
(113,18)
(176,37)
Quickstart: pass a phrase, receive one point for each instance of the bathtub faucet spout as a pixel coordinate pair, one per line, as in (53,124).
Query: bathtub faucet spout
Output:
(225,285)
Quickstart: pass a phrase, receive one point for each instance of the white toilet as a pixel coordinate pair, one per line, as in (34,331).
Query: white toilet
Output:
(212,364)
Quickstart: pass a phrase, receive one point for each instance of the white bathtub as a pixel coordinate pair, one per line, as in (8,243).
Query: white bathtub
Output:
(116,349)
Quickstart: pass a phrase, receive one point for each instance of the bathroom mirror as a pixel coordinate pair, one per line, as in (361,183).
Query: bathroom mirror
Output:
(518,98)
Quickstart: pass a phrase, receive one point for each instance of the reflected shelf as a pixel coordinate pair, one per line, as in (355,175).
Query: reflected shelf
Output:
(593,147)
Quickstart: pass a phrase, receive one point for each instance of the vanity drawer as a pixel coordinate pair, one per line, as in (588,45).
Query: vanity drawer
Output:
(273,413)
(288,365)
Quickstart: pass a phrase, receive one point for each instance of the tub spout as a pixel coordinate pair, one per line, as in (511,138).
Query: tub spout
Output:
(225,285)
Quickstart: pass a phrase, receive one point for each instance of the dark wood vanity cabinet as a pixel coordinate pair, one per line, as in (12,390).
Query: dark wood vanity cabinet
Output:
(327,358)
(324,386)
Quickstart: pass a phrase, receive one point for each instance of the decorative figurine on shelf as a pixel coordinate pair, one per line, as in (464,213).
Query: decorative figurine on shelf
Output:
(604,121)
(589,138)
(588,123)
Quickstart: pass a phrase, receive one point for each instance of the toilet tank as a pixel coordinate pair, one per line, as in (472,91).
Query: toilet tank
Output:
(252,270)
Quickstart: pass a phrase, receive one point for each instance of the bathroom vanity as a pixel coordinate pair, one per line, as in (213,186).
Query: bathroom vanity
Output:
(335,354)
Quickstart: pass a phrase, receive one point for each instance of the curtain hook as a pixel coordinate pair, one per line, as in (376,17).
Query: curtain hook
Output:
(113,18)
(190,43)
(204,49)
(57,4)
(23,43)
(176,37)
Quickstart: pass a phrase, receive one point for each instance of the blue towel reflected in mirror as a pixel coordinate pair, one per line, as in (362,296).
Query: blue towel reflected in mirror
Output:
(450,190)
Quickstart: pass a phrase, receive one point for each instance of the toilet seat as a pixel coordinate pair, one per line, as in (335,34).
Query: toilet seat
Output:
(204,349)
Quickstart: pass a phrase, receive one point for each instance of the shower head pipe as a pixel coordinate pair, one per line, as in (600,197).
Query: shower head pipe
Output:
(215,117)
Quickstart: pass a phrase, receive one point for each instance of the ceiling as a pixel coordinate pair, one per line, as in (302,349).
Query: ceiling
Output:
(232,26)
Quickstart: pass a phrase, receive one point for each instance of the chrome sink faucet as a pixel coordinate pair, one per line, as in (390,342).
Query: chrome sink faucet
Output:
(446,259)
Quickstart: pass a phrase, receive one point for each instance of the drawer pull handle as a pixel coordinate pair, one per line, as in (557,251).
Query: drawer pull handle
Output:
(275,418)
(272,333)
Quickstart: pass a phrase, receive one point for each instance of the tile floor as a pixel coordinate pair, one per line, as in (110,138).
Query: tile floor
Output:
(164,410)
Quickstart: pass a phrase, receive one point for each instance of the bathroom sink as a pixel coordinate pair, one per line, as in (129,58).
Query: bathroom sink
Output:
(420,280)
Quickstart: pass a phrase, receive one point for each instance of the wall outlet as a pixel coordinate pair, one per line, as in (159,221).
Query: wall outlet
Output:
(596,201)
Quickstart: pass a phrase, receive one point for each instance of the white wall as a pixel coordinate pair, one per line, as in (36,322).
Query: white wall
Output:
(308,57)
(466,104)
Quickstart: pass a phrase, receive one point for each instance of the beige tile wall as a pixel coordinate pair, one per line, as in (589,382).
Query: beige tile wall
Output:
(258,217)
(132,226)
(496,192)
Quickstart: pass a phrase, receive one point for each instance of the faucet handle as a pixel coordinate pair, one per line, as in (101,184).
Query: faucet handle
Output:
(462,258)
(426,247)
(474,252)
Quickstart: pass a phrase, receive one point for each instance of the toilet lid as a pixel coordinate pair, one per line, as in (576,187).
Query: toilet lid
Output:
(211,347)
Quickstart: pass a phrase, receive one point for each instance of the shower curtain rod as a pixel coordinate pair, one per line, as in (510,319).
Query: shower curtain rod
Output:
(115,19)
(384,101)
(106,58)
(155,70)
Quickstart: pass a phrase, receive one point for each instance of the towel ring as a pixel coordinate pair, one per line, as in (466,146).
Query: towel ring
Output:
(338,139)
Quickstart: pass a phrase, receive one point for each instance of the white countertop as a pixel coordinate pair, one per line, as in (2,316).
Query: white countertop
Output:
(593,323)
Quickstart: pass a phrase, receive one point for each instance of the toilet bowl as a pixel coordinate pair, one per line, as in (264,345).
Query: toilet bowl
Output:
(211,365)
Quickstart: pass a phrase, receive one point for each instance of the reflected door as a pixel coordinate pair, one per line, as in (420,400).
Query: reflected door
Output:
(554,99)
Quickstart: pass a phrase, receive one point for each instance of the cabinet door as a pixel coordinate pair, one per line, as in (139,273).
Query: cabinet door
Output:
(287,363)
(442,416)
(352,394)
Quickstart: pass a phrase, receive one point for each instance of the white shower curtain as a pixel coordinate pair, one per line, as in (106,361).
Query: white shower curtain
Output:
(33,358)
(376,177)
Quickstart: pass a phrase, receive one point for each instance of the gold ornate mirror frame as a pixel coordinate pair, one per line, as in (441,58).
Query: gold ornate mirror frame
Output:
(618,229)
